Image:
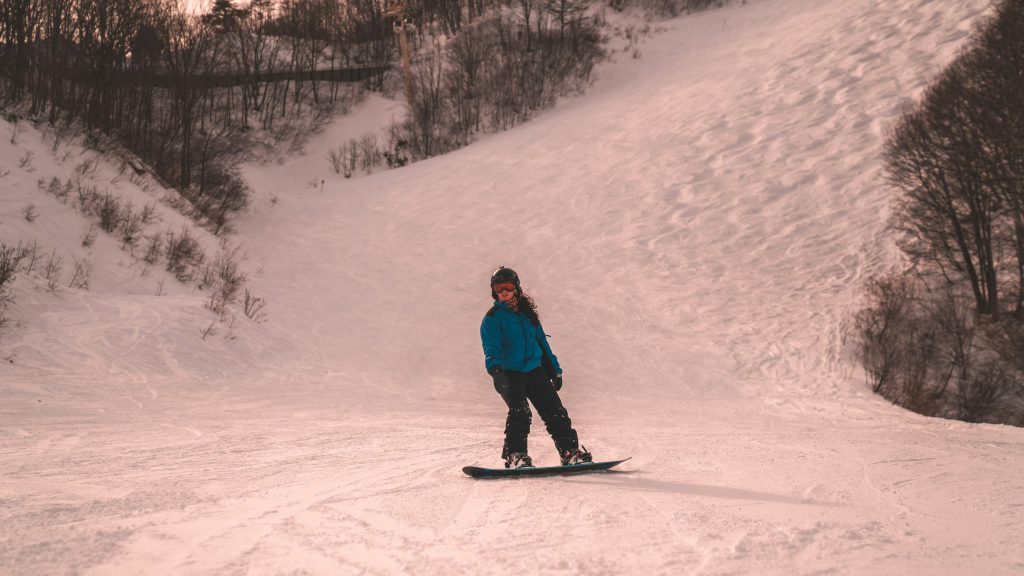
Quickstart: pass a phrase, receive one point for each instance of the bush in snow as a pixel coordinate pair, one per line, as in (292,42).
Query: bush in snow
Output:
(108,208)
(185,257)
(253,307)
(361,152)
(30,212)
(336,157)
(925,350)
(184,254)
(80,277)
(153,249)
(10,262)
(25,162)
(224,276)
(395,156)
(133,223)
(369,152)
(89,236)
(56,188)
(28,256)
(52,271)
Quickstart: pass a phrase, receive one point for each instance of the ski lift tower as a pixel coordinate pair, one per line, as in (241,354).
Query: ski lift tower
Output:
(404,24)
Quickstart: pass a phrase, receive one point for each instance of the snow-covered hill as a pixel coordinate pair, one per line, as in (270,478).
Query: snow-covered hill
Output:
(696,230)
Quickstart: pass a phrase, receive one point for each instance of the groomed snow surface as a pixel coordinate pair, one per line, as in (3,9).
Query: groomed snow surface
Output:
(696,230)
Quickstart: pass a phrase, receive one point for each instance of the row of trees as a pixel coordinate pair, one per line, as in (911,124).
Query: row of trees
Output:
(508,61)
(959,159)
(183,91)
(496,73)
(946,336)
(667,8)
(189,93)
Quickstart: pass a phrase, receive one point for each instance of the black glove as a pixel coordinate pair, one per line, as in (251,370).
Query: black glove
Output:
(501,383)
(557,382)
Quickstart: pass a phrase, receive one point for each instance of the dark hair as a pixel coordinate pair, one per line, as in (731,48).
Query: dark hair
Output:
(529,309)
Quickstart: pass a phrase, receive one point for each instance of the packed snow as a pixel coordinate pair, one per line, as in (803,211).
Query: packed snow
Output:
(696,230)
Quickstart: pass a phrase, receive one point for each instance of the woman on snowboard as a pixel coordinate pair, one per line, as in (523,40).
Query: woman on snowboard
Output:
(519,359)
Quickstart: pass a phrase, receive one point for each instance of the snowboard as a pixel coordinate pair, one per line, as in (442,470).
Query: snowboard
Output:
(478,472)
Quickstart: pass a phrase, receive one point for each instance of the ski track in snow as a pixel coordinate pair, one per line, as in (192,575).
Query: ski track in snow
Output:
(696,229)
(264,496)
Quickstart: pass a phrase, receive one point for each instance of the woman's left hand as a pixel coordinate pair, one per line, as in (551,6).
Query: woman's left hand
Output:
(557,382)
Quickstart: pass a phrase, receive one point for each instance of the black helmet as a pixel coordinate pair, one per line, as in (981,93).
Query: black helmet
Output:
(503,274)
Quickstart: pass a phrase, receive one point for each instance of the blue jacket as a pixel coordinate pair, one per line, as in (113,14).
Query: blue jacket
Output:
(512,342)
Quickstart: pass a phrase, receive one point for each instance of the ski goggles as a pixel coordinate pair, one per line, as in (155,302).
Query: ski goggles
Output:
(504,287)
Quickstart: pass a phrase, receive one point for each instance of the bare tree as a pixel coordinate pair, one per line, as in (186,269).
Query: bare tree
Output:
(936,341)
(946,209)
(997,92)
(254,53)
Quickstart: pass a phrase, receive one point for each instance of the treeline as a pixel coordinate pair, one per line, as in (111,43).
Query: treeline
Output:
(189,94)
(496,73)
(668,8)
(140,71)
(512,61)
(946,337)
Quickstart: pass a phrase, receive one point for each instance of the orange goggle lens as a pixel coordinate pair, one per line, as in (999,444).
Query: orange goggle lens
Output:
(504,287)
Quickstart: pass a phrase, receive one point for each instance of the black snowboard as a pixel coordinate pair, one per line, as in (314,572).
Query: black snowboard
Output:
(477,472)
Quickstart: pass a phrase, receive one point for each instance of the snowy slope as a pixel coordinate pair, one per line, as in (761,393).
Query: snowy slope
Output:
(695,229)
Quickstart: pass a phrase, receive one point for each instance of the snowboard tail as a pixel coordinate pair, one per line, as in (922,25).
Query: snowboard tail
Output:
(478,472)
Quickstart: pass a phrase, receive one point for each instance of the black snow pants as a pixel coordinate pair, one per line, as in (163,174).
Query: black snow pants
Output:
(536,387)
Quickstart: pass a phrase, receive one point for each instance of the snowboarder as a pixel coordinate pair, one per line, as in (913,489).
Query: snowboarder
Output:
(519,359)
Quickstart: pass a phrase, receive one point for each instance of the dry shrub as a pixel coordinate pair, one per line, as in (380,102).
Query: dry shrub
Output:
(925,349)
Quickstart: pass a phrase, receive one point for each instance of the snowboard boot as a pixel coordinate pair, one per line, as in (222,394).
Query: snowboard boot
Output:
(518,460)
(576,456)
